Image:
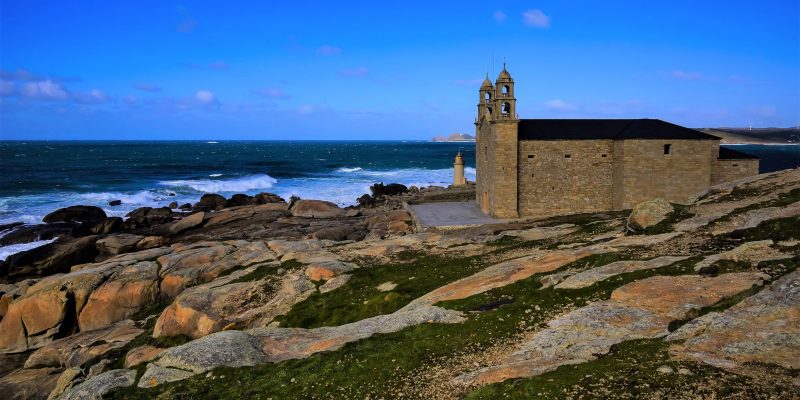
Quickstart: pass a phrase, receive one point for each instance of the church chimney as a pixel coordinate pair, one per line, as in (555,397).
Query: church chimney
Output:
(458,171)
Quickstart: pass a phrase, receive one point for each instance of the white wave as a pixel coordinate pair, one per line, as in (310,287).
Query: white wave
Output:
(348,169)
(215,175)
(212,142)
(470,170)
(242,184)
(6,251)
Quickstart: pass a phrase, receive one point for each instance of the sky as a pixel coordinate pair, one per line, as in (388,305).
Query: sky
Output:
(216,70)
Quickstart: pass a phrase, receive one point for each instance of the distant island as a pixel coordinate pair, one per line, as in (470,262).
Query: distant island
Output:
(454,137)
(755,135)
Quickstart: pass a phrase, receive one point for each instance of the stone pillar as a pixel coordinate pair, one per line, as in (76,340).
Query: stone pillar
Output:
(458,171)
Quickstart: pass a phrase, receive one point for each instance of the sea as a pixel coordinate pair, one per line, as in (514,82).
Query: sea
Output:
(37,177)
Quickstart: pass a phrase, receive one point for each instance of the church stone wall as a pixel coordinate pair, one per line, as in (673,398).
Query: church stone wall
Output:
(565,176)
(504,197)
(484,162)
(647,173)
(732,170)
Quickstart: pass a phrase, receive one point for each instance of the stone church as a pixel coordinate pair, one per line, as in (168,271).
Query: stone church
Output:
(543,167)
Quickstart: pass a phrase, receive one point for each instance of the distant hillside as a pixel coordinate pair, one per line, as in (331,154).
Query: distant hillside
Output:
(755,135)
(454,137)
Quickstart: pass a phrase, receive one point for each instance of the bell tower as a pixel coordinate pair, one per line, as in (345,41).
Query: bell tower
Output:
(486,102)
(505,102)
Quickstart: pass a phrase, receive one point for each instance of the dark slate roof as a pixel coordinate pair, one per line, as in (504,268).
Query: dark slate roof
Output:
(731,154)
(565,129)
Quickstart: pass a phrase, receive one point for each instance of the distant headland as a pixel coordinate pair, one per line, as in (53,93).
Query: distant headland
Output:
(454,137)
(755,135)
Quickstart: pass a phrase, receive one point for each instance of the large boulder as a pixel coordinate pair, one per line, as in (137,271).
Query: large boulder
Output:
(183,224)
(238,200)
(31,233)
(147,216)
(392,189)
(49,259)
(80,348)
(126,292)
(267,198)
(211,202)
(649,213)
(82,214)
(25,384)
(117,244)
(315,209)
(95,388)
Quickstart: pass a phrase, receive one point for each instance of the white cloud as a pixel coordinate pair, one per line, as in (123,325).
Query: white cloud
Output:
(94,96)
(352,72)
(273,93)
(536,19)
(499,16)
(560,105)
(685,76)
(328,50)
(205,97)
(7,88)
(44,90)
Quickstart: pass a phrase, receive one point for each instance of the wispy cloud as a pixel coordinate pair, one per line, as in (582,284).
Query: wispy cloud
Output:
(685,75)
(93,96)
(467,82)
(44,90)
(22,74)
(559,105)
(206,97)
(214,65)
(354,72)
(328,50)
(147,87)
(499,16)
(535,18)
(273,93)
(313,108)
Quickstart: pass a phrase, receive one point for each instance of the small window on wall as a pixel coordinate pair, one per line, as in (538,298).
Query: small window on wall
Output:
(735,165)
(604,155)
(567,155)
(530,155)
(667,149)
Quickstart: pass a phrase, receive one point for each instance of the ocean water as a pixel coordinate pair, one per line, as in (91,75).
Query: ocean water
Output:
(38,177)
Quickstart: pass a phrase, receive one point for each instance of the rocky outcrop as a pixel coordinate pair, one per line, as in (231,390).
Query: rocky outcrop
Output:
(77,349)
(638,310)
(267,198)
(751,252)
(141,354)
(211,202)
(762,329)
(648,213)
(263,345)
(239,200)
(145,217)
(315,209)
(223,349)
(594,275)
(49,259)
(28,384)
(82,214)
(117,244)
(100,385)
(183,224)
(128,290)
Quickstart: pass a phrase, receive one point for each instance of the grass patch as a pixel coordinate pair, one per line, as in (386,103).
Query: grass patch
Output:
(505,240)
(630,370)
(783,200)
(360,298)
(267,270)
(776,229)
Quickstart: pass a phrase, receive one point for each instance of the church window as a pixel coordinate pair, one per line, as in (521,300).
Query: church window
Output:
(667,149)
(530,155)
(505,89)
(506,108)
(604,155)
(567,155)
(488,96)
(735,165)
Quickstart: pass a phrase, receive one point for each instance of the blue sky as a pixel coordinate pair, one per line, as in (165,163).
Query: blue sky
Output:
(385,70)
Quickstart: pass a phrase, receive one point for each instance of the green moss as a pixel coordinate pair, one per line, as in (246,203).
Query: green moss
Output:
(503,240)
(360,298)
(267,270)
(630,370)
(783,200)
(776,229)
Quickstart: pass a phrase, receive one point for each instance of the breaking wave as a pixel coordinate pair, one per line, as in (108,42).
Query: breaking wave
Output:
(242,184)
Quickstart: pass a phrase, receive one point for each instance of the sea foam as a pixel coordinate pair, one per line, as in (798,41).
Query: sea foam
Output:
(242,184)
